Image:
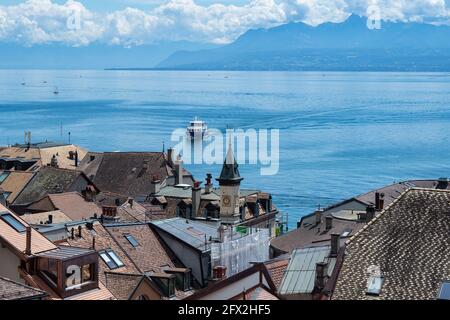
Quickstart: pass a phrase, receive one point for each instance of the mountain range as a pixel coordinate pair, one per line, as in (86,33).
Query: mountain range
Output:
(346,46)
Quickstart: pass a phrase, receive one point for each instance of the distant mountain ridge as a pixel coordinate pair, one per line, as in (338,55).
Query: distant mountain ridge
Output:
(345,46)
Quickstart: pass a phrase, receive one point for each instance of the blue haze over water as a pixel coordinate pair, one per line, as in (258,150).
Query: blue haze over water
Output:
(341,134)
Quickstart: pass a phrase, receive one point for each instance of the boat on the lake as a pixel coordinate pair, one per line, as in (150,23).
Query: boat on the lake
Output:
(197,128)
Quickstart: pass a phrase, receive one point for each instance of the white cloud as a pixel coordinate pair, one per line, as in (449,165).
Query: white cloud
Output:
(43,21)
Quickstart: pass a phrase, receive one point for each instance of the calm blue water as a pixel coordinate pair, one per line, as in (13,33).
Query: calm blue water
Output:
(341,133)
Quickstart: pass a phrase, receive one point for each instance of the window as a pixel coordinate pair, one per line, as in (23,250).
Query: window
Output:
(132,240)
(444,292)
(86,271)
(3,176)
(111,259)
(374,285)
(13,222)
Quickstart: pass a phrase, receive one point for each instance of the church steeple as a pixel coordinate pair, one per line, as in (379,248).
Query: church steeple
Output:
(230,171)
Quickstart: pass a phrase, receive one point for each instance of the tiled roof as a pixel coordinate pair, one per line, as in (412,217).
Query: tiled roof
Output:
(256,293)
(122,285)
(408,243)
(37,218)
(103,241)
(101,293)
(72,204)
(47,180)
(125,172)
(277,269)
(17,240)
(11,290)
(151,254)
(62,155)
(15,182)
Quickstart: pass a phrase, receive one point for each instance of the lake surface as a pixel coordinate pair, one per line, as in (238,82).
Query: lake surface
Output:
(341,134)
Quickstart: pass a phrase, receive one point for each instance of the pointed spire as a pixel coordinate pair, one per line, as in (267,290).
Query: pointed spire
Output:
(230,172)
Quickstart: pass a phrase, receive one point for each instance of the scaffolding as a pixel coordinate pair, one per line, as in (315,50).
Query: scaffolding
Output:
(238,254)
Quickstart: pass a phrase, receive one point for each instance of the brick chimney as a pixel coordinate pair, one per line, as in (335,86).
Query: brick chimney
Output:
(328,222)
(321,274)
(335,244)
(76,158)
(196,194)
(28,241)
(109,211)
(170,156)
(219,273)
(318,215)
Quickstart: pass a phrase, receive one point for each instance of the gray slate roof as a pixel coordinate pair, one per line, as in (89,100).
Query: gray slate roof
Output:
(12,290)
(47,180)
(409,242)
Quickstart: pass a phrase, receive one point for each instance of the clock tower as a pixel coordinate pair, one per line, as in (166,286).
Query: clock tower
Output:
(229,182)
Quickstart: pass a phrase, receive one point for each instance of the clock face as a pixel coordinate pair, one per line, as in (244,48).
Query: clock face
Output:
(226,200)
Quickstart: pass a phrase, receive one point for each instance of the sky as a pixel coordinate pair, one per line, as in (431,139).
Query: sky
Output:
(136,22)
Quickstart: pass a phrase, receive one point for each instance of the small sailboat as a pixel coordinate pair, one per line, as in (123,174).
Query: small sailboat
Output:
(56,90)
(197,128)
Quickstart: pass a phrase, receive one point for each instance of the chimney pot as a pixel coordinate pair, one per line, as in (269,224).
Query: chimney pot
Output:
(72,233)
(219,272)
(335,244)
(50,218)
(28,241)
(79,231)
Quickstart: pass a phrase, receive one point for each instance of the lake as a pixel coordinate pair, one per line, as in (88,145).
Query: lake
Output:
(341,134)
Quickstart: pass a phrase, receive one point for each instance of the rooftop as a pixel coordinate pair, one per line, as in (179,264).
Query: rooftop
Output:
(11,290)
(408,243)
(300,274)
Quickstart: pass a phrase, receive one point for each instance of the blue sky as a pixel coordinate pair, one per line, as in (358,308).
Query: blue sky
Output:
(136,22)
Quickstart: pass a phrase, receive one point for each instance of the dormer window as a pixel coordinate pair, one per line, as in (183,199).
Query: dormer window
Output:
(13,222)
(132,240)
(166,282)
(69,270)
(182,277)
(111,259)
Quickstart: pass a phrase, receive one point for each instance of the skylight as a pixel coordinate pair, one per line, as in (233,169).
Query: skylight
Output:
(444,292)
(3,176)
(374,285)
(13,222)
(111,259)
(132,240)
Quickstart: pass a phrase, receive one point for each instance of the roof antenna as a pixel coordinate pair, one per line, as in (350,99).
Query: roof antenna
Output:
(164,149)
(69,137)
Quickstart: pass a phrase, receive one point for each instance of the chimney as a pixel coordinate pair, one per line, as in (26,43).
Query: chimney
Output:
(131,202)
(178,170)
(381,201)
(109,211)
(79,231)
(321,273)
(377,200)
(28,241)
(219,273)
(196,194)
(117,202)
(72,233)
(318,215)
(328,222)
(370,213)
(71,155)
(156,185)
(222,231)
(335,244)
(54,162)
(170,156)
(93,242)
(208,185)
(76,158)
(50,219)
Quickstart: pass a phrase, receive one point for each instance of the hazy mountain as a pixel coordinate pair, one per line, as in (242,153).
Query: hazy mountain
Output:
(94,56)
(349,45)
